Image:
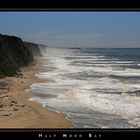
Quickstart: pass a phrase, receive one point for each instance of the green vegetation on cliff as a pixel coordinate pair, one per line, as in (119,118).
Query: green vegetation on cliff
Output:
(13,55)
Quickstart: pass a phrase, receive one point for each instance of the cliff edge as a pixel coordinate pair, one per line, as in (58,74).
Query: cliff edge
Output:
(13,55)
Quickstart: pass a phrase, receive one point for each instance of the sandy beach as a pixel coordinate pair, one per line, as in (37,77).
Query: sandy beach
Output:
(16,111)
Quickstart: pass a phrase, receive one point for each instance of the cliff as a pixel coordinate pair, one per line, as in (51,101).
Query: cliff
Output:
(34,48)
(13,55)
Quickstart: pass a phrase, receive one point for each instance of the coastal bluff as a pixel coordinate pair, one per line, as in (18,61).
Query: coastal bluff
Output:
(34,48)
(15,53)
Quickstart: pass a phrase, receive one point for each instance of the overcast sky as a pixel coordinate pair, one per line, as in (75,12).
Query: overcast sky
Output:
(74,29)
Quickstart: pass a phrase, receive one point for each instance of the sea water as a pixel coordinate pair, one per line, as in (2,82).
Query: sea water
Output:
(96,88)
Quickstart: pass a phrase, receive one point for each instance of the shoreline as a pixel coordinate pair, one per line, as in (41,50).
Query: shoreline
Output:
(17,111)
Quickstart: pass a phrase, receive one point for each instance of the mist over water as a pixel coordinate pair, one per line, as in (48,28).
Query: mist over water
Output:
(96,88)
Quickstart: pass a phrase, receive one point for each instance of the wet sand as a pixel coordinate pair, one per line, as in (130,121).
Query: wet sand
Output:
(16,111)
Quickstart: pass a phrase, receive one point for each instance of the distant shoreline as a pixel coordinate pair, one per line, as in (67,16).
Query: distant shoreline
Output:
(16,111)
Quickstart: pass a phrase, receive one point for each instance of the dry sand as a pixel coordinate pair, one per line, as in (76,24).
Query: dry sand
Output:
(16,111)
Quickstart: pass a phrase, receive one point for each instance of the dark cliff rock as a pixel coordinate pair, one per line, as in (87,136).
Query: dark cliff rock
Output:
(13,55)
(34,48)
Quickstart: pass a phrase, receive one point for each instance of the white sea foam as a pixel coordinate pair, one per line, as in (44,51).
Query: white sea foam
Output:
(127,106)
(93,93)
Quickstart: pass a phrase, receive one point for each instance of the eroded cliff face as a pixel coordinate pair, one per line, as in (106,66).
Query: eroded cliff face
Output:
(34,48)
(13,54)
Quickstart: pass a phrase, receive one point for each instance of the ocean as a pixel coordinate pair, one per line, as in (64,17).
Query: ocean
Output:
(95,87)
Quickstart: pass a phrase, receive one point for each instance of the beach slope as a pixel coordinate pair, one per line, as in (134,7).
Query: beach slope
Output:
(16,111)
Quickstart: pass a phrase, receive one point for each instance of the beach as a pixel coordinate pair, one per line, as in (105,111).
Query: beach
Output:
(16,111)
(92,86)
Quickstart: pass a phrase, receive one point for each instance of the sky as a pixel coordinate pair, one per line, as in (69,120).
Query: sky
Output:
(74,29)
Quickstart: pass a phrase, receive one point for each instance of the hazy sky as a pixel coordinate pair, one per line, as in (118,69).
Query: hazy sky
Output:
(74,29)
